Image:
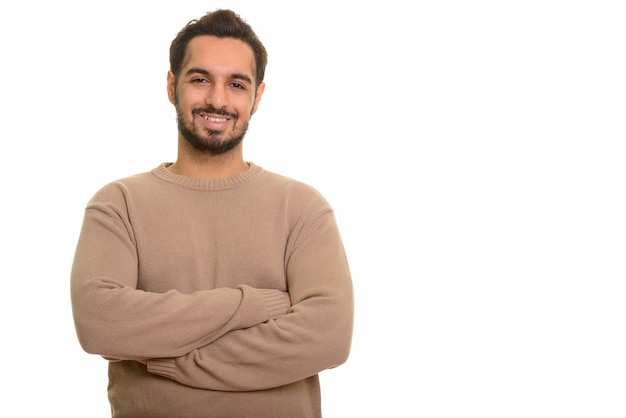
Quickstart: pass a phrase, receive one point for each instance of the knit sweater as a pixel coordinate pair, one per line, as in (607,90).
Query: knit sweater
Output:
(188,274)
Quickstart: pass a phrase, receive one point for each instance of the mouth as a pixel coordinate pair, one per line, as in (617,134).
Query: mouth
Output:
(213,118)
(214,122)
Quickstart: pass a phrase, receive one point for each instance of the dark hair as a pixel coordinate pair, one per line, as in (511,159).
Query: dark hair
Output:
(222,23)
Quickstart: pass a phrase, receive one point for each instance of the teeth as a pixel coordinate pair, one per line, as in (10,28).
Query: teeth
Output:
(214,119)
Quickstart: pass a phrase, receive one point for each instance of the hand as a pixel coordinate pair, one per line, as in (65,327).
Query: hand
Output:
(288,298)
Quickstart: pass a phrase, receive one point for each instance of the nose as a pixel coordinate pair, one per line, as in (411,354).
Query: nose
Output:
(217,96)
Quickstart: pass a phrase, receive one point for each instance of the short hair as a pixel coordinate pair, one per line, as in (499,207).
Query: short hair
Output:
(222,23)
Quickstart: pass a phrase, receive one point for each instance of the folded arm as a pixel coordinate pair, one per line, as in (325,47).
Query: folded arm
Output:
(315,334)
(118,321)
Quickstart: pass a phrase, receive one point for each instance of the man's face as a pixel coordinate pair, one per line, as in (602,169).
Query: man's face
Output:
(215,94)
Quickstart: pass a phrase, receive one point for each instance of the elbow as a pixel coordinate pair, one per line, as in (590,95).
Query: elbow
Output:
(340,341)
(92,336)
(88,336)
(93,319)
(87,345)
(342,350)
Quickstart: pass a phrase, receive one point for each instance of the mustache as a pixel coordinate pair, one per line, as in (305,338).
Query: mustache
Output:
(212,110)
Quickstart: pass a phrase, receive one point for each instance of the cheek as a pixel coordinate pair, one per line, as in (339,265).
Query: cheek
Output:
(253,107)
(187,99)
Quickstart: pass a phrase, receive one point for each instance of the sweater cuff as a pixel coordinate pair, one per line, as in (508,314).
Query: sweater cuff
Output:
(162,367)
(275,302)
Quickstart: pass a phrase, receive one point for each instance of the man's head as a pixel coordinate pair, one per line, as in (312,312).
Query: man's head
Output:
(222,24)
(217,65)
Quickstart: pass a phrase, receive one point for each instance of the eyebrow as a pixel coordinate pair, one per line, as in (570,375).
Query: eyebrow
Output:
(234,76)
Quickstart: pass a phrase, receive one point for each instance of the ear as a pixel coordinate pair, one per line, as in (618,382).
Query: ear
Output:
(171,87)
(259,92)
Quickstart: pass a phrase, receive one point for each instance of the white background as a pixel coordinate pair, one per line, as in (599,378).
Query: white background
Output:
(473,151)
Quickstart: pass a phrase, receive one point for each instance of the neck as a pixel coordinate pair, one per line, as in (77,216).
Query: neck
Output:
(195,164)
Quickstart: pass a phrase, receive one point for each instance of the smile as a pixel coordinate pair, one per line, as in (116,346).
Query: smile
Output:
(214,118)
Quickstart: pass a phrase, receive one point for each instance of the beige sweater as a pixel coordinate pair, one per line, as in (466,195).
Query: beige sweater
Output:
(188,272)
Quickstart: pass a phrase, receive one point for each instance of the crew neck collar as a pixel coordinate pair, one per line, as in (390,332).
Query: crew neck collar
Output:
(206,184)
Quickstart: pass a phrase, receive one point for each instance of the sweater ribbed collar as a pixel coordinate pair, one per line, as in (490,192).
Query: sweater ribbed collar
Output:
(164,174)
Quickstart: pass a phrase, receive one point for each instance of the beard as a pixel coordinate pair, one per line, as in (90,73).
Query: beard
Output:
(210,141)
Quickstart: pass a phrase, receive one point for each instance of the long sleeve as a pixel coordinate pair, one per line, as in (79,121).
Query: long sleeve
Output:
(315,335)
(189,275)
(115,318)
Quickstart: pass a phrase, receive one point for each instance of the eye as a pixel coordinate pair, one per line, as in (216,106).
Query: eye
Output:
(199,80)
(238,85)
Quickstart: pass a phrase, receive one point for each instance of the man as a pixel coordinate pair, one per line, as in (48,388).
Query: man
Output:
(213,287)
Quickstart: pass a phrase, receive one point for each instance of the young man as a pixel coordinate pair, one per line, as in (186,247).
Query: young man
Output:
(214,287)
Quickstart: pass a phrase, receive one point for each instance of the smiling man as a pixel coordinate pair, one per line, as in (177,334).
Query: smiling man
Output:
(213,287)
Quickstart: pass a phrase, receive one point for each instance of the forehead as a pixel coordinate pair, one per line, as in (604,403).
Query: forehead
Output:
(219,55)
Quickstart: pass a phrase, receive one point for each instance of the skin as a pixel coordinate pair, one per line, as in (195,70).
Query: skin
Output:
(217,81)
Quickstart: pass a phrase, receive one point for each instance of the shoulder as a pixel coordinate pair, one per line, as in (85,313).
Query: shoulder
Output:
(123,187)
(291,187)
(298,199)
